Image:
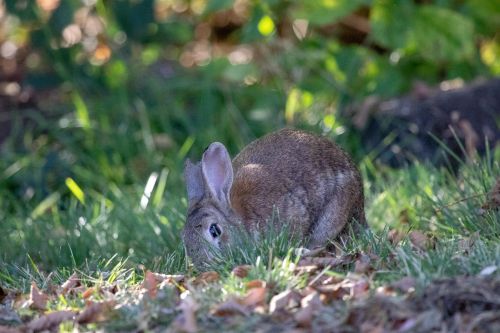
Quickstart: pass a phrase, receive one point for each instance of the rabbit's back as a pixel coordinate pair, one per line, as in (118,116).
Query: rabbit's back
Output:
(294,174)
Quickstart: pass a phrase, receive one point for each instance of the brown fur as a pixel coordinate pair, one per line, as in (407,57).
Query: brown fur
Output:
(309,181)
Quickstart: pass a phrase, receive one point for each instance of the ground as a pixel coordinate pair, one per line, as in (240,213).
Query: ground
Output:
(430,264)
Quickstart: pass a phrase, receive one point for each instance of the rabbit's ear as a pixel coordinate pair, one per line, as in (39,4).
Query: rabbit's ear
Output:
(194,181)
(217,171)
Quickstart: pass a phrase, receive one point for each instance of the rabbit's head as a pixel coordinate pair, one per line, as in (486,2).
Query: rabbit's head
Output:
(209,215)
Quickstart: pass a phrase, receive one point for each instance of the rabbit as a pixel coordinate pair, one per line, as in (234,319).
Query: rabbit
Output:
(312,183)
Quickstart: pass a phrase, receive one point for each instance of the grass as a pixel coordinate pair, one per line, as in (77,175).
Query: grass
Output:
(110,231)
(62,232)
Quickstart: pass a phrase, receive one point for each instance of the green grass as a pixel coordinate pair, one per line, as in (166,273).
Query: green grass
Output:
(60,233)
(77,206)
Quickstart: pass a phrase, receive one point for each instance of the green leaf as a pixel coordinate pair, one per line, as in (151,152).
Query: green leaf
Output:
(443,35)
(485,13)
(435,33)
(391,21)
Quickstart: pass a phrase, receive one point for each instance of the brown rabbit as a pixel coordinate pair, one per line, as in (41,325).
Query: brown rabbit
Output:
(312,184)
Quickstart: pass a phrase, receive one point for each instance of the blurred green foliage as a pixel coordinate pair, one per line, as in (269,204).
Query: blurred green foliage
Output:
(142,78)
(107,93)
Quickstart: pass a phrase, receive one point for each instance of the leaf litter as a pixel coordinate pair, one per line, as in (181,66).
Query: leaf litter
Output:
(325,302)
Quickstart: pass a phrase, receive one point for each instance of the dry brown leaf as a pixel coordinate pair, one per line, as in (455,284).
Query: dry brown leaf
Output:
(332,280)
(71,283)
(304,253)
(363,265)
(405,285)
(255,284)
(230,307)
(395,236)
(419,240)
(49,321)
(332,292)
(284,300)
(255,296)
(306,269)
(206,278)
(360,288)
(321,262)
(150,284)
(241,271)
(87,293)
(186,321)
(38,300)
(309,306)
(95,312)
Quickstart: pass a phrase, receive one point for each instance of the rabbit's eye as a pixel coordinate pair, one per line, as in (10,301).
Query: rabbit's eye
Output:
(214,230)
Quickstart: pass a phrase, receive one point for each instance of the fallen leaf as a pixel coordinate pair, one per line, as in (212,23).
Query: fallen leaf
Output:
(321,262)
(206,278)
(38,300)
(331,292)
(309,305)
(360,289)
(419,240)
(255,284)
(71,283)
(87,293)
(283,300)
(241,271)
(427,321)
(230,307)
(306,269)
(363,265)
(304,253)
(186,321)
(49,321)
(311,300)
(405,285)
(255,296)
(95,312)
(150,284)
(332,279)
